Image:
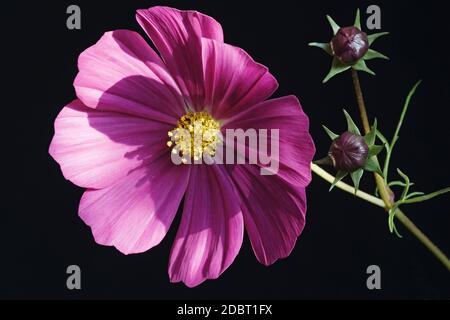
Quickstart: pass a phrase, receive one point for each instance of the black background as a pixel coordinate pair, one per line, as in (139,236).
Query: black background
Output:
(41,233)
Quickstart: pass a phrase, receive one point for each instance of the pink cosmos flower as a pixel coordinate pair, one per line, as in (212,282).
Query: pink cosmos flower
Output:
(112,141)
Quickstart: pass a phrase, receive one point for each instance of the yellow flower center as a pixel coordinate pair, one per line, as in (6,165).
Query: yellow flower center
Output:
(197,134)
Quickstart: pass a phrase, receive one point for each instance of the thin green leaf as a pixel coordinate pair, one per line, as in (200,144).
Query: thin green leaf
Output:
(391,217)
(396,231)
(399,126)
(407,184)
(324,46)
(372,54)
(336,68)
(333,25)
(427,196)
(356,178)
(391,221)
(414,194)
(339,176)
(357,20)
(351,126)
(361,66)
(370,137)
(375,150)
(375,36)
(330,133)
(398,184)
(403,114)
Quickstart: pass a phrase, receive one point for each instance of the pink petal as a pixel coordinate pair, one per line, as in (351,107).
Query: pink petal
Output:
(211,230)
(274,212)
(233,80)
(176,34)
(122,73)
(97,148)
(135,213)
(296,147)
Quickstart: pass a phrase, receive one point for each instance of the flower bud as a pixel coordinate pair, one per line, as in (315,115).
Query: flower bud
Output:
(349,45)
(349,152)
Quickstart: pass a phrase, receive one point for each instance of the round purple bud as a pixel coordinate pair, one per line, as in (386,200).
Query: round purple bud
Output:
(349,45)
(349,152)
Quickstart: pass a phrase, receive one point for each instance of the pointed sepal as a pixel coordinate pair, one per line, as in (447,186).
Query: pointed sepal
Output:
(370,137)
(372,165)
(351,126)
(324,46)
(372,54)
(330,133)
(357,23)
(339,176)
(375,36)
(374,150)
(361,66)
(327,161)
(333,25)
(356,178)
(336,68)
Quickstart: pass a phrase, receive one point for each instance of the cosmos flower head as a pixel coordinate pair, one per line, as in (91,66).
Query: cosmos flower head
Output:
(117,137)
(349,44)
(350,48)
(349,152)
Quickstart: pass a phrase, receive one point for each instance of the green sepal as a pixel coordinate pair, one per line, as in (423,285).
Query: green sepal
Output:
(336,68)
(339,176)
(330,133)
(356,178)
(357,20)
(333,25)
(362,66)
(372,165)
(370,137)
(327,161)
(375,36)
(351,126)
(324,46)
(375,150)
(372,54)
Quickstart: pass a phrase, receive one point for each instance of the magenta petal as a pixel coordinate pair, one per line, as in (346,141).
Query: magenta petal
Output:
(274,212)
(135,213)
(211,229)
(233,80)
(96,148)
(122,73)
(296,147)
(177,36)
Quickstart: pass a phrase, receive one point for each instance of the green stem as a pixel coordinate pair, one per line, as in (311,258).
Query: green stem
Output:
(380,203)
(400,215)
(384,189)
(346,187)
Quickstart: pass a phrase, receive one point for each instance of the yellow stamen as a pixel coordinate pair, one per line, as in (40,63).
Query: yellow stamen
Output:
(197,133)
